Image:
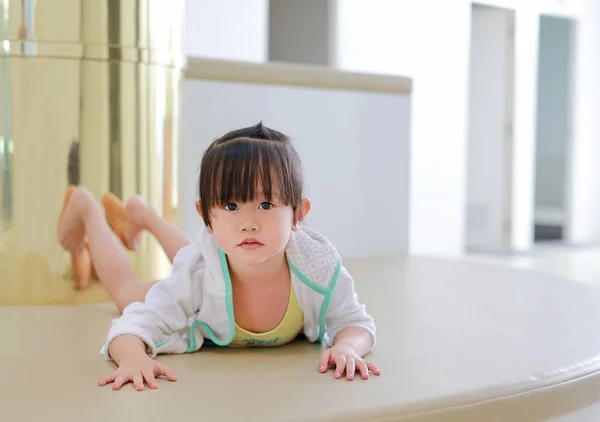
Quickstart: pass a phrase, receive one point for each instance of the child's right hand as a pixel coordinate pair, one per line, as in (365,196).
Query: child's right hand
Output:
(137,369)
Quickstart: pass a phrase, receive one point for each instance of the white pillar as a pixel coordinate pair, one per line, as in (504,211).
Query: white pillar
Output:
(427,40)
(583,192)
(227,29)
(524,129)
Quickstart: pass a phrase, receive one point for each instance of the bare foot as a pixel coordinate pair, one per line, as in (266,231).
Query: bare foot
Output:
(68,194)
(81,262)
(71,230)
(137,212)
(116,217)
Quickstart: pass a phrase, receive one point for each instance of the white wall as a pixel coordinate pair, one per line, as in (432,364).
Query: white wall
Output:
(354,148)
(227,29)
(388,36)
(490,116)
(376,36)
(427,40)
(583,197)
(565,8)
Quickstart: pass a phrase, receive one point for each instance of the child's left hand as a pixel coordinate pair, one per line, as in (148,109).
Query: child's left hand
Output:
(345,359)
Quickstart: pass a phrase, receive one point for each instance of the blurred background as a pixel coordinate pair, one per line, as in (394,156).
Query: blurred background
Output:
(427,127)
(494,153)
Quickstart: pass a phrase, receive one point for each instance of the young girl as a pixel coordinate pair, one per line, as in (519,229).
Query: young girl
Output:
(250,277)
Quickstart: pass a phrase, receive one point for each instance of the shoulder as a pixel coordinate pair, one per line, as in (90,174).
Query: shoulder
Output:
(198,259)
(314,257)
(202,249)
(188,256)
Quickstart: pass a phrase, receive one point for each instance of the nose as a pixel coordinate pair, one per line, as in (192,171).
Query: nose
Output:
(249,223)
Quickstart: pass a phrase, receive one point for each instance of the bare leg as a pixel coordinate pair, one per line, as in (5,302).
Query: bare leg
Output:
(141,217)
(81,264)
(83,217)
(116,217)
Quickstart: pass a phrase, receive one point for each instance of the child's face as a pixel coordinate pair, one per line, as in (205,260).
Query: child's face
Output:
(253,232)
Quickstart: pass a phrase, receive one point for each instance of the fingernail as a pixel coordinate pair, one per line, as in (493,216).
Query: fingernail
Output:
(321,368)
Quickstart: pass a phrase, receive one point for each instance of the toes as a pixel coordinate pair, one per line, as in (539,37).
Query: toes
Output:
(116,216)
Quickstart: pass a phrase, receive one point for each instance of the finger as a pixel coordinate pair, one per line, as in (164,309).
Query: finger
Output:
(138,382)
(167,372)
(340,365)
(373,368)
(324,360)
(350,368)
(361,365)
(150,380)
(119,381)
(107,379)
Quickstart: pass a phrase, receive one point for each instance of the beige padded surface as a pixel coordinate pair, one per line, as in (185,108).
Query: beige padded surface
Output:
(457,342)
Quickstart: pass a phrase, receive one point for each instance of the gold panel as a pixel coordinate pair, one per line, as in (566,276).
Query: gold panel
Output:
(90,94)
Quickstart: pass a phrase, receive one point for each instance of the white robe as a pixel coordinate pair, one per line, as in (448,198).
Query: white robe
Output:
(195,303)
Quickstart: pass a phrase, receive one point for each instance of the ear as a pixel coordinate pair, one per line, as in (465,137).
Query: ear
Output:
(199,210)
(301,213)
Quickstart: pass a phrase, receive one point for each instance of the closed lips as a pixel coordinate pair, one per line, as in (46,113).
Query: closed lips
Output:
(250,241)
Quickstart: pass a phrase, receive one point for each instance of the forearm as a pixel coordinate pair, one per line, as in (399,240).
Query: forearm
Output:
(125,346)
(358,338)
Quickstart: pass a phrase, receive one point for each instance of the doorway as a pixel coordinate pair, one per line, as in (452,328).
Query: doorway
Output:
(489,163)
(553,127)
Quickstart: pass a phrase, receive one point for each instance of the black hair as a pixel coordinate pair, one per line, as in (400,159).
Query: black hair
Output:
(246,162)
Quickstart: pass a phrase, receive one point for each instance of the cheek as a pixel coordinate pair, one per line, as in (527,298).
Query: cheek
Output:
(283,218)
(221,227)
(281,225)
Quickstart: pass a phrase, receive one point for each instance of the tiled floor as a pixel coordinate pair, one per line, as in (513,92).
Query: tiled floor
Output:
(578,264)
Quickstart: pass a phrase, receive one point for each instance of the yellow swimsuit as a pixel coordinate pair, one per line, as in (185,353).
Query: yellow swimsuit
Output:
(286,331)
